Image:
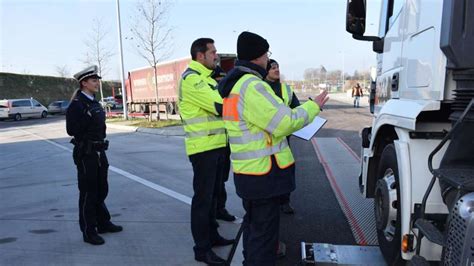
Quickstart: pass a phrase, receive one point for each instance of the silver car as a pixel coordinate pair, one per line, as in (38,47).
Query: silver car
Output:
(58,107)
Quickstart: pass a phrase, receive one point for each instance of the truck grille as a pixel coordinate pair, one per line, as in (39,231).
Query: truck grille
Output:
(460,242)
(463,93)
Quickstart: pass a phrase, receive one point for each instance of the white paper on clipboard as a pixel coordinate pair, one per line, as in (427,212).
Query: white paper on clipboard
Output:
(311,129)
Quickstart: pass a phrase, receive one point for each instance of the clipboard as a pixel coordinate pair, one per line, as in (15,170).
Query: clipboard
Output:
(311,129)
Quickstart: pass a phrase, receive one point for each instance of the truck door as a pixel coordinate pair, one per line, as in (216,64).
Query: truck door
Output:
(424,67)
(390,61)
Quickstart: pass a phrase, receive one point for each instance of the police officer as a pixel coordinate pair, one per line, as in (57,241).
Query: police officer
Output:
(286,94)
(200,108)
(257,123)
(85,121)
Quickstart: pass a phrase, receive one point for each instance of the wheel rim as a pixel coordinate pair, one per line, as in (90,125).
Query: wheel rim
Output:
(386,202)
(17,117)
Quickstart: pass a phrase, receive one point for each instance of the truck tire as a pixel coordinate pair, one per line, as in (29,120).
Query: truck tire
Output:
(387,206)
(169,108)
(176,108)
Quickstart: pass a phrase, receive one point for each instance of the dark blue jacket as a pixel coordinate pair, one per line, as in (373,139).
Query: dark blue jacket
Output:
(85,119)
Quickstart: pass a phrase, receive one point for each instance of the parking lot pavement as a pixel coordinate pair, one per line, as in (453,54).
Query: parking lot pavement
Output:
(150,189)
(38,214)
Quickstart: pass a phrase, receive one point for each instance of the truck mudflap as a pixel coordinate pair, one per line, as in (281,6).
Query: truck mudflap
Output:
(328,254)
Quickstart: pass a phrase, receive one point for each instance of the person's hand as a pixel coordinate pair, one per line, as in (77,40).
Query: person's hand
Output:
(321,99)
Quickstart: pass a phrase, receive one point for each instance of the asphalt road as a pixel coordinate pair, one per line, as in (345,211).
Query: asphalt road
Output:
(318,217)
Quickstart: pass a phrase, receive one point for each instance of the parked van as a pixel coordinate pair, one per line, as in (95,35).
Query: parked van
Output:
(22,108)
(58,107)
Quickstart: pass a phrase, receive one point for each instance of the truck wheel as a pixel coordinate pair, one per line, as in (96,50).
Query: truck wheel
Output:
(17,117)
(176,108)
(387,206)
(169,108)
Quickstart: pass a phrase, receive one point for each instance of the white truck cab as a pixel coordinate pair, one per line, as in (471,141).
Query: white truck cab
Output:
(418,156)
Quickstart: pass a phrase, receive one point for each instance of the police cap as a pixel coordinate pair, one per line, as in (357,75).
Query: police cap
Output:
(89,72)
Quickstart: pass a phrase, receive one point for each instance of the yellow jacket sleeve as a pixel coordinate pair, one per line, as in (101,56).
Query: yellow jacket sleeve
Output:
(267,111)
(198,92)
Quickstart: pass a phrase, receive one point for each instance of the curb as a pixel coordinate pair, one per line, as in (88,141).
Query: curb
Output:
(122,127)
(166,131)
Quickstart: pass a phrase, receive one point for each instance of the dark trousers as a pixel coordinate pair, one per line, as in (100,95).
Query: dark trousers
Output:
(208,170)
(260,231)
(222,197)
(285,199)
(93,189)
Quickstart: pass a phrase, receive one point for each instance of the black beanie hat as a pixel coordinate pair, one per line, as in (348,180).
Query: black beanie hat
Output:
(251,46)
(270,63)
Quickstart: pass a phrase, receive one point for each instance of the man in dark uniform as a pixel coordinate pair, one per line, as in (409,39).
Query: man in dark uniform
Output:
(85,121)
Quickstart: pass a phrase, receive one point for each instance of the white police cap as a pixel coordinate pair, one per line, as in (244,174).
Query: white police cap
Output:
(92,71)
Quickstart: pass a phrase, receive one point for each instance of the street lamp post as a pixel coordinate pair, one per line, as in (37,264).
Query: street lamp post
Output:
(124,92)
(343,69)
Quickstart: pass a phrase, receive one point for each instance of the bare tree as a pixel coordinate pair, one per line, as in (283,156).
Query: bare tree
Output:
(152,35)
(63,71)
(98,53)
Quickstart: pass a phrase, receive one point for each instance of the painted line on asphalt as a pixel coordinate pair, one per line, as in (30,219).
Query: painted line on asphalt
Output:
(344,203)
(166,191)
(349,149)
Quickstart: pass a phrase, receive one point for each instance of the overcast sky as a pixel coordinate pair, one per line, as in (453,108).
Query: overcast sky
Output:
(37,36)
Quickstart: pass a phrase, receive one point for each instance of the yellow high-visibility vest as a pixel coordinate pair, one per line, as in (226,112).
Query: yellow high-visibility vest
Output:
(198,96)
(257,123)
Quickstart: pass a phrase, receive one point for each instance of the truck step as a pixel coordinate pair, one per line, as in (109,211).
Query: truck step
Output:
(328,254)
(462,179)
(430,231)
(418,261)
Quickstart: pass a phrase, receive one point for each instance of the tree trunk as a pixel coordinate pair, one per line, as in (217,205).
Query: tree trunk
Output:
(156,94)
(150,111)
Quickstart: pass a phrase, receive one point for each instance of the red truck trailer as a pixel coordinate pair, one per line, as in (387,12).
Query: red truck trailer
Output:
(140,86)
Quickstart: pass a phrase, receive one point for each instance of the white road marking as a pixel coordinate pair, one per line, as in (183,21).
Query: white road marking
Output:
(166,191)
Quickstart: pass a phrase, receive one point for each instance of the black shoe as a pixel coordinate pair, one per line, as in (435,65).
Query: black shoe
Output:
(224,215)
(215,224)
(93,239)
(220,241)
(210,258)
(286,208)
(109,228)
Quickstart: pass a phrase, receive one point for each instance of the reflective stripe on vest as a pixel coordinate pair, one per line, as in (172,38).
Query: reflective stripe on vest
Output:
(246,138)
(205,133)
(282,111)
(186,73)
(247,155)
(289,94)
(197,120)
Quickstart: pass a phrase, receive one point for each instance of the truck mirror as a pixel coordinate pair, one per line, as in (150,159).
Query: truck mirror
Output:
(355,17)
